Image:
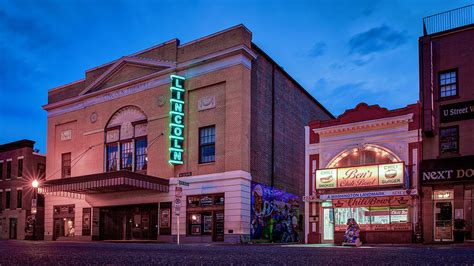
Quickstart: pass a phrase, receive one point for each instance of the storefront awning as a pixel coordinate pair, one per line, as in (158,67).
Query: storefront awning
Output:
(106,182)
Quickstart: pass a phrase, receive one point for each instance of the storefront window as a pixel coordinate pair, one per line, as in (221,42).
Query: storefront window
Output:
(372,218)
(205,216)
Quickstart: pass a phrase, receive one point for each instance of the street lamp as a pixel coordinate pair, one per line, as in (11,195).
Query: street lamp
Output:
(35,184)
(34,201)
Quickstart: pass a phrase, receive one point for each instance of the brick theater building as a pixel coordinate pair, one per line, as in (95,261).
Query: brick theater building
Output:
(446,57)
(20,164)
(195,125)
(363,165)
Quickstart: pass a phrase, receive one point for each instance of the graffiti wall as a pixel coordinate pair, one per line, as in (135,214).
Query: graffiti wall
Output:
(275,215)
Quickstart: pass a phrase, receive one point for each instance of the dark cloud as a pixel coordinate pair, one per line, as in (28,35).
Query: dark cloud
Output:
(318,49)
(376,39)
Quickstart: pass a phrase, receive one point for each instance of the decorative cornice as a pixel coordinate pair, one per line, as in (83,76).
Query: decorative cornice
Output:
(120,63)
(205,65)
(364,125)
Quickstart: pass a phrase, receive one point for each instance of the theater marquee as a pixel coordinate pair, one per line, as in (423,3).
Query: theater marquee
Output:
(360,176)
(176,135)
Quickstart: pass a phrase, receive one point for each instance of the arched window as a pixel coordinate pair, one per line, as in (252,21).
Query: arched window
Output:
(369,154)
(126,140)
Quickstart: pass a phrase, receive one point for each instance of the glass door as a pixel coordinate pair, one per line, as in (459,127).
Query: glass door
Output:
(328,225)
(443,219)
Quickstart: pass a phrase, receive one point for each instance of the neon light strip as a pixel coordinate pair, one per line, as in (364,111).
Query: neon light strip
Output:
(176,125)
(176,137)
(177,77)
(175,162)
(176,101)
(176,149)
(176,113)
(176,89)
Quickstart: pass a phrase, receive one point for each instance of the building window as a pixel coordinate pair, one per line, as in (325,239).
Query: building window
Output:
(20,167)
(9,169)
(448,84)
(126,156)
(41,170)
(7,199)
(140,154)
(1,170)
(207,144)
(1,200)
(66,165)
(19,198)
(126,139)
(449,140)
(112,157)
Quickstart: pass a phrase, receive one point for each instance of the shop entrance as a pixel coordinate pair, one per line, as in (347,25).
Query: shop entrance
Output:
(205,215)
(443,221)
(13,228)
(328,224)
(135,222)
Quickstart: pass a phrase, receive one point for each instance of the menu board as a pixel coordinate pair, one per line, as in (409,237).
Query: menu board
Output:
(165,218)
(207,224)
(360,176)
(86,221)
(219,235)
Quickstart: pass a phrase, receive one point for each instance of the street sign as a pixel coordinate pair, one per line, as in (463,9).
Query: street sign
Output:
(178,193)
(185,174)
(177,202)
(182,183)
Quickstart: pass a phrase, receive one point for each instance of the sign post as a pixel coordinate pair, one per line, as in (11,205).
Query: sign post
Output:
(177,204)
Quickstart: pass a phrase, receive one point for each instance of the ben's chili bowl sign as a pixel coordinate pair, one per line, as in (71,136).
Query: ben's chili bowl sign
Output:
(372,202)
(360,176)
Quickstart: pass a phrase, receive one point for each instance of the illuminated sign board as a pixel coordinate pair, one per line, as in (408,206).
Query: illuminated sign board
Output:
(360,176)
(176,135)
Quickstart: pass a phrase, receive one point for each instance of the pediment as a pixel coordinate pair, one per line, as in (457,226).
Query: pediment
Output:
(127,69)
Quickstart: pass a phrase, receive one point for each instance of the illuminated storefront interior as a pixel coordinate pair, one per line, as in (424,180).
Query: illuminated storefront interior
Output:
(365,167)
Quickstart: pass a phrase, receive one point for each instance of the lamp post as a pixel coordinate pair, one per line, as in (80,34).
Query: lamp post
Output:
(34,206)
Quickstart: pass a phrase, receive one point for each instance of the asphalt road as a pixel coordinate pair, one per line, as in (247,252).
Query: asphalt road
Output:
(47,253)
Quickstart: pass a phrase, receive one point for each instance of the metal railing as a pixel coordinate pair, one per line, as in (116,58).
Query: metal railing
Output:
(448,20)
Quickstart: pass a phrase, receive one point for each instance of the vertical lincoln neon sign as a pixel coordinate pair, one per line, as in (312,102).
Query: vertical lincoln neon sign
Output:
(176,135)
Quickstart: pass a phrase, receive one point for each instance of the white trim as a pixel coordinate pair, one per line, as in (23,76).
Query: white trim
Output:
(93,132)
(306,182)
(411,136)
(212,177)
(349,128)
(208,57)
(19,188)
(1,190)
(1,161)
(20,157)
(364,194)
(113,93)
(8,189)
(9,159)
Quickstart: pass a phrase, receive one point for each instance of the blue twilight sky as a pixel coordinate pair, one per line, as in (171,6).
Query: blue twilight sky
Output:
(342,52)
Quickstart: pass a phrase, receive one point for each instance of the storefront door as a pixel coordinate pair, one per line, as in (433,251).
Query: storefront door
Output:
(443,219)
(328,225)
(13,228)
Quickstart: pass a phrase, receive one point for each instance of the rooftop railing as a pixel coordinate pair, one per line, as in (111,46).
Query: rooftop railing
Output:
(448,20)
